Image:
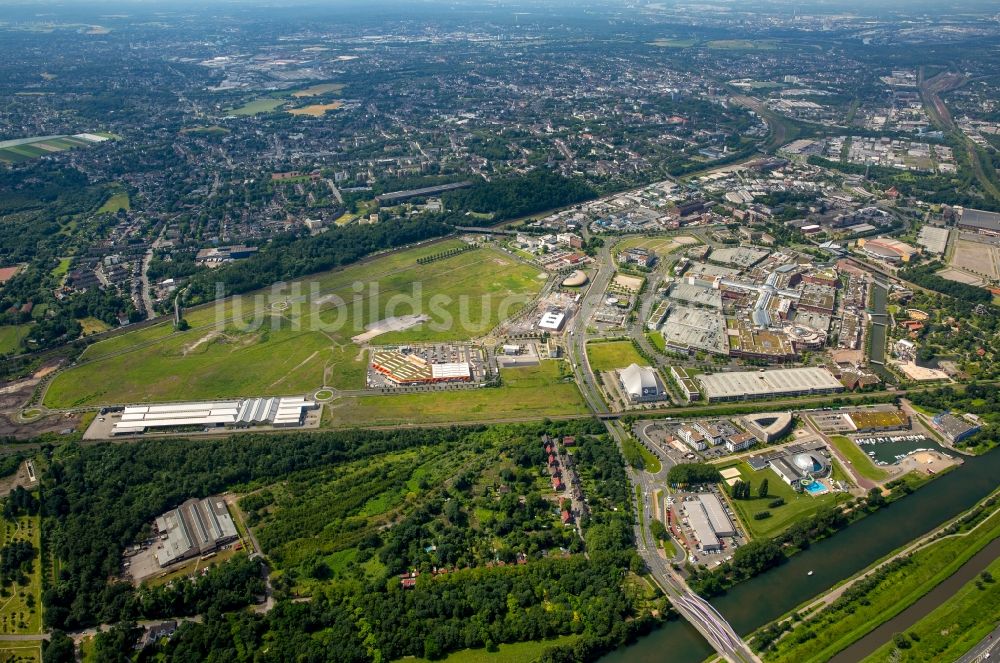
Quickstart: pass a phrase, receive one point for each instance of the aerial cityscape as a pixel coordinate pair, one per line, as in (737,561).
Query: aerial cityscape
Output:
(499,332)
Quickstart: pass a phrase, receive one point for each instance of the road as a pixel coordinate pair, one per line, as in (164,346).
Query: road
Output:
(983,651)
(713,627)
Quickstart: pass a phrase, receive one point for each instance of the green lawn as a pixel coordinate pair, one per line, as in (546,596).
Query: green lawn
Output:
(119,200)
(609,356)
(521,652)
(16,615)
(838,626)
(797,505)
(296,349)
(12,651)
(62,268)
(257,106)
(954,627)
(11,337)
(656,338)
(859,459)
(528,392)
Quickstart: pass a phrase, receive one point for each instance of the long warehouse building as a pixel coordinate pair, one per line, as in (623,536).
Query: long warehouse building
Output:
(750,385)
(244,413)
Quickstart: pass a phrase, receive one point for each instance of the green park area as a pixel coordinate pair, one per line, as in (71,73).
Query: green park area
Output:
(21,591)
(673,43)
(518,652)
(858,459)
(657,340)
(610,355)
(797,505)
(953,628)
(743,44)
(14,651)
(117,201)
(257,106)
(300,338)
(11,337)
(546,390)
(891,589)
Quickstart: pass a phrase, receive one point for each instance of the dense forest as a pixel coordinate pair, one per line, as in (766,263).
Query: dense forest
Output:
(512,197)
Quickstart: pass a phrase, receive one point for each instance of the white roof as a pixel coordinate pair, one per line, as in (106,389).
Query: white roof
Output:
(551,320)
(458,369)
(635,378)
(762,383)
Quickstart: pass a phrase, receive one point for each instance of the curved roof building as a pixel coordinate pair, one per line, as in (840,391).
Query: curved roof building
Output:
(640,383)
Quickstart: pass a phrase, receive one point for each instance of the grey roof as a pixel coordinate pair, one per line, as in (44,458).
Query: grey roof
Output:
(978,218)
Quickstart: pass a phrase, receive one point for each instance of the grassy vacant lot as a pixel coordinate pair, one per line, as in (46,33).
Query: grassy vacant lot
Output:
(520,652)
(953,627)
(62,268)
(613,354)
(796,507)
(297,346)
(12,651)
(315,90)
(844,622)
(21,605)
(118,200)
(527,392)
(257,106)
(315,110)
(11,337)
(92,325)
(858,458)
(674,43)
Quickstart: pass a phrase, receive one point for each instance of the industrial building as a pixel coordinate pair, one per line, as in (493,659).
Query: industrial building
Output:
(980,221)
(404,368)
(244,413)
(197,527)
(749,385)
(954,428)
(552,321)
(641,384)
(709,521)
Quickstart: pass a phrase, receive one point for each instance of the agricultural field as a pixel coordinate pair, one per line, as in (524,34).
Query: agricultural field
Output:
(118,201)
(674,43)
(22,149)
(610,355)
(11,337)
(316,90)
(296,346)
(257,106)
(315,110)
(859,459)
(21,599)
(546,390)
(797,505)
(743,44)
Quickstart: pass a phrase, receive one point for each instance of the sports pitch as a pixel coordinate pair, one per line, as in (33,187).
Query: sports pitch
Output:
(298,346)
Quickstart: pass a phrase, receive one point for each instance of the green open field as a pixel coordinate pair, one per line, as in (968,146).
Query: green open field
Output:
(257,106)
(315,90)
(841,624)
(16,615)
(526,392)
(673,43)
(610,355)
(796,507)
(92,325)
(11,337)
(657,244)
(300,343)
(12,651)
(118,200)
(656,338)
(743,44)
(519,652)
(212,130)
(954,627)
(858,458)
(62,268)
(32,148)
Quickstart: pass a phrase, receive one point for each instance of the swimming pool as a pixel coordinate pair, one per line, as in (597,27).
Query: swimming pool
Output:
(815,488)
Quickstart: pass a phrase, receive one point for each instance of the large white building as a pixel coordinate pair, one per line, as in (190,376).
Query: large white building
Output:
(244,413)
(749,385)
(641,383)
(709,520)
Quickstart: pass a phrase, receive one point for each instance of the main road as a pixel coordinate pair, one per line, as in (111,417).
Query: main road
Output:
(712,625)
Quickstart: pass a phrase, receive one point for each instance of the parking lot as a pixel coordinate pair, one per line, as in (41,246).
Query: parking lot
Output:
(685,535)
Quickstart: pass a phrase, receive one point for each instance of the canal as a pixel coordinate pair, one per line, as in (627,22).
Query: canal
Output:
(880,332)
(756,602)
